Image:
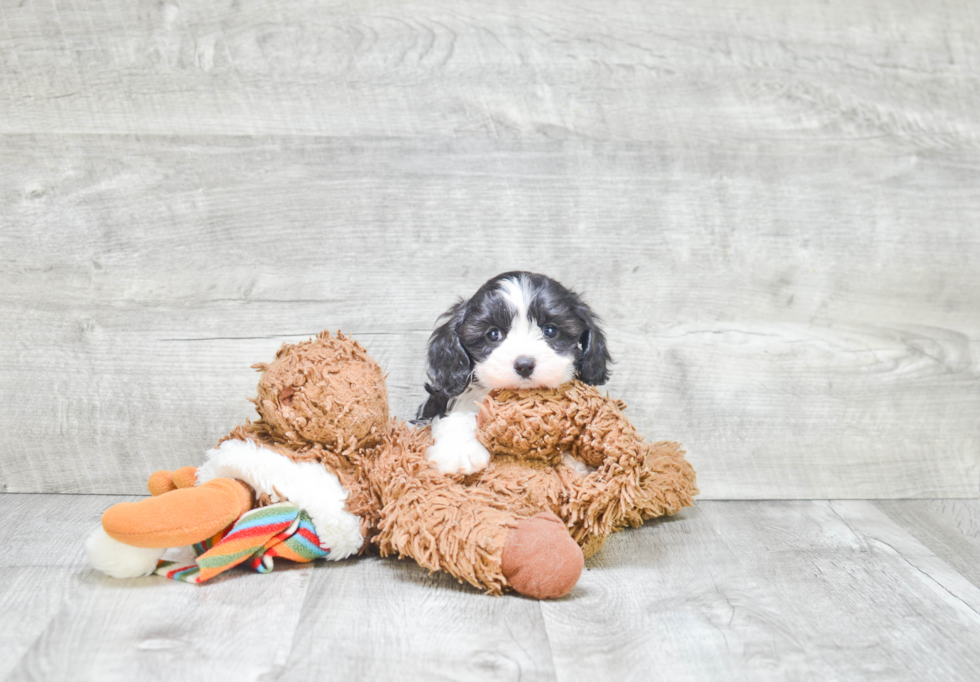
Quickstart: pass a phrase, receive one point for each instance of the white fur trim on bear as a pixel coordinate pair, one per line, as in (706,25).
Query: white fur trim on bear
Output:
(118,560)
(306,484)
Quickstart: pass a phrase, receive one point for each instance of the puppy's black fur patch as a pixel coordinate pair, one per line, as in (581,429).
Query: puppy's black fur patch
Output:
(462,341)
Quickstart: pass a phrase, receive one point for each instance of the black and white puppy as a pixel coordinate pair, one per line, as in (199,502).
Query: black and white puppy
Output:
(520,330)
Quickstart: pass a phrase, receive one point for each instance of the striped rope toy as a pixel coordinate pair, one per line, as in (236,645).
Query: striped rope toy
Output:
(255,539)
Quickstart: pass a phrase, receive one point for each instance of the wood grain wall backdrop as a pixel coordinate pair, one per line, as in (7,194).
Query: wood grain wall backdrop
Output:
(774,206)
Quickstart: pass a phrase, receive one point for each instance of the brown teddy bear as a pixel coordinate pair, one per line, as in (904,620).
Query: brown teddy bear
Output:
(567,470)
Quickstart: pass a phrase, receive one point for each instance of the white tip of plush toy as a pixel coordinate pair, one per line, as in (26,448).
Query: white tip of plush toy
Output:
(118,560)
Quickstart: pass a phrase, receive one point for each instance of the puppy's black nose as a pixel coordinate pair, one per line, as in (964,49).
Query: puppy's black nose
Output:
(524,366)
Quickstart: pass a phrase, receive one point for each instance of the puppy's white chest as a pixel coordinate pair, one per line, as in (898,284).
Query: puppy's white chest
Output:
(470,399)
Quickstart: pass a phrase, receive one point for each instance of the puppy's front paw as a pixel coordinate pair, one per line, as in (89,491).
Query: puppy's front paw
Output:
(456,449)
(458,458)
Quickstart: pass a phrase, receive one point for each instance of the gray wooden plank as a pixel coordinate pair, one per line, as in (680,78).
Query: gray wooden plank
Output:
(612,70)
(865,518)
(727,590)
(383,619)
(235,627)
(41,539)
(949,528)
(65,621)
(29,598)
(50,528)
(69,622)
(804,317)
(767,590)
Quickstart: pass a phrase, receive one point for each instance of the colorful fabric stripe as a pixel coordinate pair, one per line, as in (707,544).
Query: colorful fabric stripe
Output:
(255,540)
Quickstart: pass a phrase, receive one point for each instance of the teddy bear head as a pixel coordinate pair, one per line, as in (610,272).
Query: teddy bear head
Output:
(326,391)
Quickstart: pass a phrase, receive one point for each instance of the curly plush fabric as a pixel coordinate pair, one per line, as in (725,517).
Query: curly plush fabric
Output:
(567,470)
(326,391)
(409,509)
(633,480)
(325,401)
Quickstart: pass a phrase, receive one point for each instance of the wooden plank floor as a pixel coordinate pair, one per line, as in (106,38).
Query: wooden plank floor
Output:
(845,590)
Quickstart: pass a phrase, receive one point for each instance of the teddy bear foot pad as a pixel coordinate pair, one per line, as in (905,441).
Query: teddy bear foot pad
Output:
(540,559)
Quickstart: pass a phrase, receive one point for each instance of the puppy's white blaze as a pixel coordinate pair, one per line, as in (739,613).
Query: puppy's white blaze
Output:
(513,290)
(523,339)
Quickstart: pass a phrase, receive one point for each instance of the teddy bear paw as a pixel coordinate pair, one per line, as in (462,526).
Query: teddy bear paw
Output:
(540,558)
(456,449)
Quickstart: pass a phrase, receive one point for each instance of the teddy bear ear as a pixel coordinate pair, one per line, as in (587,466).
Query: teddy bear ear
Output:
(592,366)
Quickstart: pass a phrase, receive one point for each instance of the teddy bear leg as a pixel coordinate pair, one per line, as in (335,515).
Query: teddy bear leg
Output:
(179,517)
(540,559)
(591,544)
(667,482)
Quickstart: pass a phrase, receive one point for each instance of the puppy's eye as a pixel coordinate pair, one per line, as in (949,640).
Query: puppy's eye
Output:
(550,331)
(494,335)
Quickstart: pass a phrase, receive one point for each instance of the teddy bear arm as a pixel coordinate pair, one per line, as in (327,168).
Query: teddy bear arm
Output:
(518,425)
(667,481)
(655,481)
(604,433)
(547,423)
(605,500)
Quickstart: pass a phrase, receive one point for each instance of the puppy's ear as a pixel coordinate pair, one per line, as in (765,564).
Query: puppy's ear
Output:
(592,366)
(450,367)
